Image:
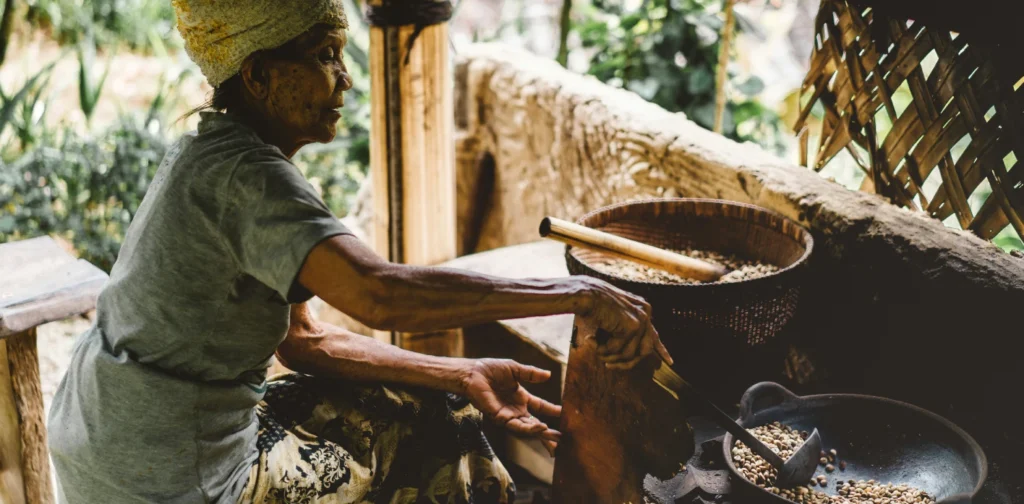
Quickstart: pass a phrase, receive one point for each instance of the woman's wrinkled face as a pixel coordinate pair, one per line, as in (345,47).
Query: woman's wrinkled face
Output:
(305,85)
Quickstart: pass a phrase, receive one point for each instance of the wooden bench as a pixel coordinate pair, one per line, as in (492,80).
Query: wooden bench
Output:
(537,341)
(39,282)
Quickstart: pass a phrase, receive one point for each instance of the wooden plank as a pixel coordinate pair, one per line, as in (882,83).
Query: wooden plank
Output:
(550,335)
(441,343)
(43,283)
(26,258)
(540,259)
(69,290)
(12,486)
(416,158)
(413,162)
(617,427)
(23,359)
(534,259)
(48,282)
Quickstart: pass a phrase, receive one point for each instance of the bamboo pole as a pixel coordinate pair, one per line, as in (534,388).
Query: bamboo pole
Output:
(630,250)
(723,63)
(564,25)
(412,157)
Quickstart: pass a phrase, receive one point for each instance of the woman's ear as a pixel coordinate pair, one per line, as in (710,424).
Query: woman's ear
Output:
(255,78)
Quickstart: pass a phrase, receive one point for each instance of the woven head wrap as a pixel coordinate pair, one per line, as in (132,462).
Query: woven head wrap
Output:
(220,34)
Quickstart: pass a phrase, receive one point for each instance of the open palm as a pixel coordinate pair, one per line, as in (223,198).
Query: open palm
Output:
(493,386)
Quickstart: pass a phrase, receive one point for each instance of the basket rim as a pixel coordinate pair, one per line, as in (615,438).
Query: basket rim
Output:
(808,241)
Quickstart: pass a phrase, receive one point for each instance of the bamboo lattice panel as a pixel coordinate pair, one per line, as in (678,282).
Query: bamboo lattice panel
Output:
(960,98)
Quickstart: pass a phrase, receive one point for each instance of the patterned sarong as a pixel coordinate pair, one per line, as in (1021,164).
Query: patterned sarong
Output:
(326,441)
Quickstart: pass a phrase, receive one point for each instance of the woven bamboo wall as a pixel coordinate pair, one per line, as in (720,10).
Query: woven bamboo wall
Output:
(961,134)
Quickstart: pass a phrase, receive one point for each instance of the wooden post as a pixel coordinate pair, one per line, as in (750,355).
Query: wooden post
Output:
(41,283)
(12,486)
(22,361)
(412,155)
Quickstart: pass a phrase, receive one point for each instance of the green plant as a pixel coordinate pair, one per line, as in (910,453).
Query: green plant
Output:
(23,111)
(142,25)
(84,189)
(87,188)
(666,51)
(89,88)
(335,171)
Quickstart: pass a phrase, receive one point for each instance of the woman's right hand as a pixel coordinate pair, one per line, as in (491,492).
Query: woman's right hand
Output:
(626,317)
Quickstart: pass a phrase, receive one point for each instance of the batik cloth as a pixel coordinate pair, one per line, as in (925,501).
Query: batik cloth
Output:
(324,441)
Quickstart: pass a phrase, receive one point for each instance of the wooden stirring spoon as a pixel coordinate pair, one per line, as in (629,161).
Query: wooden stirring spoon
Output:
(631,250)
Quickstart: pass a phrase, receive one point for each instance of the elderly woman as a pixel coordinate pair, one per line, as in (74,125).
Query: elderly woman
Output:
(167,398)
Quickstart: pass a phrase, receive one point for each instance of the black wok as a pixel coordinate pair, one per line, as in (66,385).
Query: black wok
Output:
(881,439)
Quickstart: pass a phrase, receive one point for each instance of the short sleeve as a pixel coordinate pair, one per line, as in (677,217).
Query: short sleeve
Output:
(272,221)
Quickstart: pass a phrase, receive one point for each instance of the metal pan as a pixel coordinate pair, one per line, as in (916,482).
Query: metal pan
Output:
(881,439)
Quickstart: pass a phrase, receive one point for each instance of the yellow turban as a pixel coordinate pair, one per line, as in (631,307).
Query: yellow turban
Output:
(220,34)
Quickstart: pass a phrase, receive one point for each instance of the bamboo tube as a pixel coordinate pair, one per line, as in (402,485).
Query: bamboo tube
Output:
(624,248)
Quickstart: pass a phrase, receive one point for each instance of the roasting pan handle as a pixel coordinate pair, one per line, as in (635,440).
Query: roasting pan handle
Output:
(762,396)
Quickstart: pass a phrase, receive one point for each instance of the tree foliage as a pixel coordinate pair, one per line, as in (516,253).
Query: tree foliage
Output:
(141,25)
(87,187)
(84,189)
(667,52)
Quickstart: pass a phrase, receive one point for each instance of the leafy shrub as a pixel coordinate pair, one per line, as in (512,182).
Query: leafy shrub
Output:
(87,188)
(142,25)
(667,52)
(84,189)
(23,111)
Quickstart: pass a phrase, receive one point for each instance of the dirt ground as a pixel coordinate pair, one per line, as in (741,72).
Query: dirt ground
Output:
(55,341)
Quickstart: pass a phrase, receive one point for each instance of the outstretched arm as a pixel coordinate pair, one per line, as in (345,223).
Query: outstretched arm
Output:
(318,348)
(352,278)
(492,385)
(349,276)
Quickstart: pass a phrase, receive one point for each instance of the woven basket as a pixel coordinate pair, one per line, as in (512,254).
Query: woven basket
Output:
(727,322)
(955,144)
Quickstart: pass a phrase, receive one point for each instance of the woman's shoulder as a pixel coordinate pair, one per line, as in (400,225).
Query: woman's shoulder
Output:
(224,152)
(223,137)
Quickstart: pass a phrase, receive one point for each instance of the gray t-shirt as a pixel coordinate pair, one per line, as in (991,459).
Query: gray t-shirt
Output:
(157,405)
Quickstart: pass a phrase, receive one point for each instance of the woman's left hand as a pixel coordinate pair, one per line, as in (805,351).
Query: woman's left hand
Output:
(493,386)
